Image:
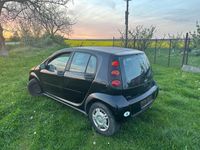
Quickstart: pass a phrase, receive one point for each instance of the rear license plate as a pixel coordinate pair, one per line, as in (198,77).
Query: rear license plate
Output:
(145,102)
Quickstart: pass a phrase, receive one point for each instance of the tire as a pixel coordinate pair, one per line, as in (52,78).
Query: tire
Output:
(103,120)
(34,87)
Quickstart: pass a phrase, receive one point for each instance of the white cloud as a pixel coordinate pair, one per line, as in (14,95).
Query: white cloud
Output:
(103,18)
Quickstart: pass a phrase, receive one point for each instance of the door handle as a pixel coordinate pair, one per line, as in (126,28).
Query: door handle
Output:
(89,76)
(60,73)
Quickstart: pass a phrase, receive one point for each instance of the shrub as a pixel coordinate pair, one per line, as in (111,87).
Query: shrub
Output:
(44,41)
(195,52)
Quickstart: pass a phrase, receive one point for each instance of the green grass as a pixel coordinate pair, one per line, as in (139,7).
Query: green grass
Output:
(41,123)
(176,58)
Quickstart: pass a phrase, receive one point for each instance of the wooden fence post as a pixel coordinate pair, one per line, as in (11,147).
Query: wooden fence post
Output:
(113,44)
(188,47)
(138,44)
(134,42)
(170,48)
(185,49)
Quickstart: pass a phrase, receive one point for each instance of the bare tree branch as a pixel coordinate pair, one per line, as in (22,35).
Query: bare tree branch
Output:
(37,9)
(140,37)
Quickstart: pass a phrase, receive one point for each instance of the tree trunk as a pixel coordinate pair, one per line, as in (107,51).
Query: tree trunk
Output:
(3,50)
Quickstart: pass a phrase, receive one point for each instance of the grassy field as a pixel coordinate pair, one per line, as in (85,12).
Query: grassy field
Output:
(41,123)
(75,43)
(116,42)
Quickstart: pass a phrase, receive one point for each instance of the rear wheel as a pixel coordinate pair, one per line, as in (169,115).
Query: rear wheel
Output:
(34,87)
(102,119)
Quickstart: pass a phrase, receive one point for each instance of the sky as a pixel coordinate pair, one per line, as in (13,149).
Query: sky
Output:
(102,19)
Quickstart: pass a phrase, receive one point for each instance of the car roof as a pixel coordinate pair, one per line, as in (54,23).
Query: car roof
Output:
(108,50)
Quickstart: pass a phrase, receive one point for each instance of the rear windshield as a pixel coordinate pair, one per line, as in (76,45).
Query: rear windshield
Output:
(135,66)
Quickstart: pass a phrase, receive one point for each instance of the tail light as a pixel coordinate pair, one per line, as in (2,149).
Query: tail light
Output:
(115,63)
(115,73)
(115,77)
(116,83)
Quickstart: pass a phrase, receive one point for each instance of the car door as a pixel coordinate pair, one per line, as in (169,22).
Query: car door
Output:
(79,77)
(52,75)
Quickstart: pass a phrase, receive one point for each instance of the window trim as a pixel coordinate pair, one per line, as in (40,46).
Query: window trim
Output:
(88,64)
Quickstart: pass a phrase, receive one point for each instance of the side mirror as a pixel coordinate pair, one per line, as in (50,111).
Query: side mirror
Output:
(43,66)
(51,68)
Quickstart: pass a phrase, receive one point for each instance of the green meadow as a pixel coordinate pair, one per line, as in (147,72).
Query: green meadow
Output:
(32,123)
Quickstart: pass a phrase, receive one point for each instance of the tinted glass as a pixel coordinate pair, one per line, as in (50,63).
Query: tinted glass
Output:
(135,65)
(59,63)
(79,62)
(91,68)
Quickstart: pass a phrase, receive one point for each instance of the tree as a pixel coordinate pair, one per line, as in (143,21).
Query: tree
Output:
(196,37)
(2,42)
(140,37)
(26,31)
(176,41)
(12,9)
(55,20)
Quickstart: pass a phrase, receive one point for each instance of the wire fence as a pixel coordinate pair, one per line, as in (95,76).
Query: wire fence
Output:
(166,52)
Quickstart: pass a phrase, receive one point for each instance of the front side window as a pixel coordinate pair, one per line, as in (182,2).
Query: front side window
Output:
(79,62)
(59,63)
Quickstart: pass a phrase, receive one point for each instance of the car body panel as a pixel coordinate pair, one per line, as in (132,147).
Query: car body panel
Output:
(51,82)
(75,86)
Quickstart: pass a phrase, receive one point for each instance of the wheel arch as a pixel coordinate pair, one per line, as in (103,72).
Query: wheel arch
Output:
(33,75)
(112,102)
(92,101)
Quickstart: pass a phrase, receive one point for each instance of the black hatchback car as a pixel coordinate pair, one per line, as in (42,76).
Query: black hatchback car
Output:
(108,84)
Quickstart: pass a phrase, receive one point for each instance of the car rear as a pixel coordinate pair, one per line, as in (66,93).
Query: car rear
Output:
(131,75)
(139,88)
(137,76)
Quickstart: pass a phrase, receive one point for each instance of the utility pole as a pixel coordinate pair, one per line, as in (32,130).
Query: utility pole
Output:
(126,22)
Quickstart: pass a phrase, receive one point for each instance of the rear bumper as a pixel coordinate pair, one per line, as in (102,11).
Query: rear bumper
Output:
(136,106)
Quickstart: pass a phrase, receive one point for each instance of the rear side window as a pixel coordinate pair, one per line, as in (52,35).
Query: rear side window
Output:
(79,62)
(91,68)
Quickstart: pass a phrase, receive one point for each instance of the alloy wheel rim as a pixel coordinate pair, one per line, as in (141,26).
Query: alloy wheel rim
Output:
(100,119)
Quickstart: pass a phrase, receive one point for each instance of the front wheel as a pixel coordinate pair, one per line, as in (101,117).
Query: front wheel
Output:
(34,87)
(103,120)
